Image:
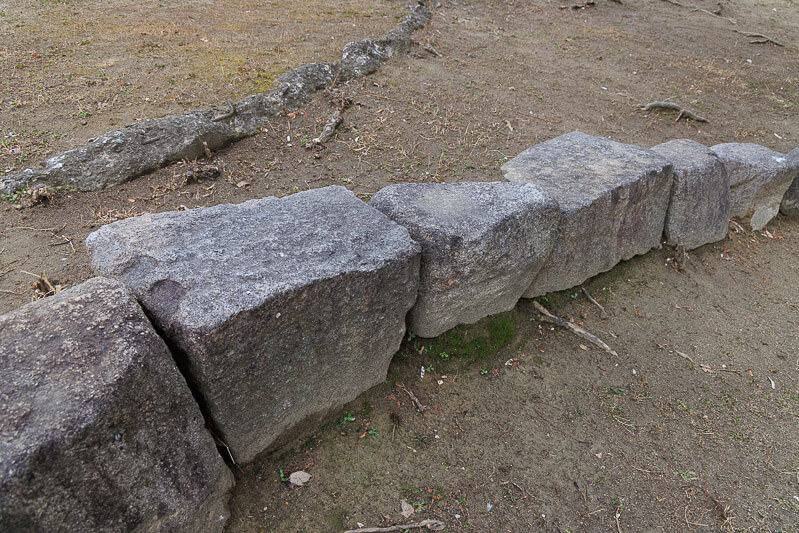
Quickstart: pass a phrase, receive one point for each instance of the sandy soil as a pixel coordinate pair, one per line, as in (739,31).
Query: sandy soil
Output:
(576,438)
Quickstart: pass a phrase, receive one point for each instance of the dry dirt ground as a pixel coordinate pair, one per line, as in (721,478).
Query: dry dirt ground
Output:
(560,438)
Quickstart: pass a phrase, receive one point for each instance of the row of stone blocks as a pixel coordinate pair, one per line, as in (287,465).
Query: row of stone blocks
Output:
(278,311)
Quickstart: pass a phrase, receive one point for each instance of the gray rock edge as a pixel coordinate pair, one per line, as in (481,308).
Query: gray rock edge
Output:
(121,155)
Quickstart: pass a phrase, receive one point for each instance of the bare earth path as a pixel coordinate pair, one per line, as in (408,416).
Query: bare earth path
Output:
(576,438)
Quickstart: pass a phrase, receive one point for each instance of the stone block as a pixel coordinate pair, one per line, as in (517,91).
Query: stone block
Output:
(98,429)
(284,309)
(612,196)
(482,246)
(790,201)
(699,207)
(759,178)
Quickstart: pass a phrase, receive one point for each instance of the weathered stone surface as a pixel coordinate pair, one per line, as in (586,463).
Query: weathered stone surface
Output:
(790,201)
(482,246)
(699,207)
(98,429)
(283,308)
(759,177)
(612,196)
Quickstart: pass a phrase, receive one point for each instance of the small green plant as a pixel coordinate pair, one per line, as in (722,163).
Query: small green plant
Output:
(283,477)
(483,371)
(305,140)
(349,417)
(13,197)
(85,114)
(614,391)
(444,355)
(686,475)
(373,432)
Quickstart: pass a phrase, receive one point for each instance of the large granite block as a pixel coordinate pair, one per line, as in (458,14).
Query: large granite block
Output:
(699,207)
(790,200)
(482,246)
(98,429)
(759,177)
(612,196)
(284,309)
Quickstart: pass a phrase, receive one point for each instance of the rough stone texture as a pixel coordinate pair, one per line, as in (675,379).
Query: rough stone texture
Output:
(759,177)
(790,201)
(482,246)
(142,147)
(699,207)
(283,308)
(98,429)
(612,196)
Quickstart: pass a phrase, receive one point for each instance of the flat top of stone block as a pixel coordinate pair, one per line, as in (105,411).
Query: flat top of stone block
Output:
(461,209)
(755,156)
(229,259)
(575,168)
(82,339)
(686,154)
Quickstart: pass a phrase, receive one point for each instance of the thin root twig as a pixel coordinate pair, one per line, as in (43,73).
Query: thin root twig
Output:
(685,356)
(593,301)
(574,328)
(432,525)
(231,110)
(419,406)
(760,38)
(671,105)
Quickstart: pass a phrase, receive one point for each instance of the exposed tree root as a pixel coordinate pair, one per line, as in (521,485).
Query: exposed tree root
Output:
(671,105)
(143,147)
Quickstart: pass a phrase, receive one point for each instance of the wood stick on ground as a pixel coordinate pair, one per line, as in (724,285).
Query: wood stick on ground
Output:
(328,129)
(432,525)
(760,38)
(685,356)
(671,105)
(591,299)
(697,8)
(419,406)
(574,328)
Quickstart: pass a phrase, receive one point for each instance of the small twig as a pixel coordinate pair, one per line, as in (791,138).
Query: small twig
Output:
(15,293)
(761,39)
(328,129)
(591,299)
(685,356)
(671,105)
(432,50)
(230,112)
(333,84)
(697,8)
(574,328)
(419,406)
(433,525)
